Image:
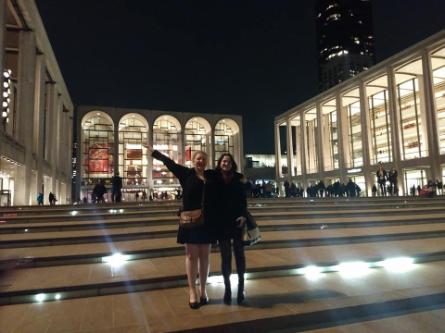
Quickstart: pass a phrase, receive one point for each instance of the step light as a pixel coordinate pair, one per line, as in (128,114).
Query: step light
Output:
(116,260)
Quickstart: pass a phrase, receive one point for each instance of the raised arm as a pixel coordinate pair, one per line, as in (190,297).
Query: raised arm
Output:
(179,171)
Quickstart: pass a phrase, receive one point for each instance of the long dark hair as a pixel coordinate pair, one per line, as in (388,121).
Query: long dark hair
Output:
(234,165)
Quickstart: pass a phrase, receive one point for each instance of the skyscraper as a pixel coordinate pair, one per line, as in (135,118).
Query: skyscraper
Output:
(345,39)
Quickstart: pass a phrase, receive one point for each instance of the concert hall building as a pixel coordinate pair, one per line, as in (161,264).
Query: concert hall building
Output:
(393,113)
(111,140)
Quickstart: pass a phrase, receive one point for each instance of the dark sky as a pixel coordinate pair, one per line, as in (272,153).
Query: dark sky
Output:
(254,58)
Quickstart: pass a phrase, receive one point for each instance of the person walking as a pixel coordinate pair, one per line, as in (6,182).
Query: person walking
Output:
(381,179)
(392,177)
(40,199)
(116,188)
(52,198)
(196,239)
(232,208)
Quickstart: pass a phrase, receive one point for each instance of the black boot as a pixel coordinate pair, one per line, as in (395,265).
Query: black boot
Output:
(241,296)
(227,292)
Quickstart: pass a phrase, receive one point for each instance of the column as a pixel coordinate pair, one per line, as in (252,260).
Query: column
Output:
(303,149)
(290,151)
(364,122)
(149,158)
(25,108)
(277,153)
(430,116)
(116,149)
(2,45)
(38,119)
(395,128)
(319,138)
(342,138)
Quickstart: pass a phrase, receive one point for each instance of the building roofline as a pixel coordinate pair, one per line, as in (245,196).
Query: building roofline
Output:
(34,21)
(429,43)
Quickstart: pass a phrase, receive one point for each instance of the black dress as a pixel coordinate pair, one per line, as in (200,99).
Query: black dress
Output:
(192,187)
(232,204)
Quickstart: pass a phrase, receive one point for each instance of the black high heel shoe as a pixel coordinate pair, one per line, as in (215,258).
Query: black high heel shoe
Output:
(194,305)
(227,297)
(241,297)
(204,300)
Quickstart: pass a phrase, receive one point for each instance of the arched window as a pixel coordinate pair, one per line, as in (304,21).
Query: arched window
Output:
(197,137)
(226,139)
(133,162)
(97,144)
(166,139)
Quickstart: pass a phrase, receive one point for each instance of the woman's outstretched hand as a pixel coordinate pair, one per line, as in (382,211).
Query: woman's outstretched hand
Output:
(149,148)
(241,221)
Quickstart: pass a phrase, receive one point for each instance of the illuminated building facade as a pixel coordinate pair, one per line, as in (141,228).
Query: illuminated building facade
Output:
(111,140)
(36,115)
(393,113)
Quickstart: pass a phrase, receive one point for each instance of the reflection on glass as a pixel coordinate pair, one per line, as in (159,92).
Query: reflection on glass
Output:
(330,134)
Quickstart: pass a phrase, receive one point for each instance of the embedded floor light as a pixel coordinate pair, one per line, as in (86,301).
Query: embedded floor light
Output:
(57,296)
(311,272)
(40,297)
(116,260)
(397,264)
(352,269)
(74,212)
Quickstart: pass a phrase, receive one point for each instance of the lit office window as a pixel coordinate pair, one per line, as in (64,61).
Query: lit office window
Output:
(133,162)
(310,126)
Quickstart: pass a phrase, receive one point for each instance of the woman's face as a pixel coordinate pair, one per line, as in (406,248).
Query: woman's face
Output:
(200,162)
(226,164)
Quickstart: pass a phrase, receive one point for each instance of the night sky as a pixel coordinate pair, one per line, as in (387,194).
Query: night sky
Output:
(253,58)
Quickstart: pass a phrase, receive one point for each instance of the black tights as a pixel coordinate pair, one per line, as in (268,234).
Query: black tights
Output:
(225,248)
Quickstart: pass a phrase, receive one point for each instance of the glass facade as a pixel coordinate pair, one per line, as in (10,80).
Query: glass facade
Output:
(438,68)
(133,162)
(413,143)
(351,104)
(311,128)
(330,135)
(379,120)
(97,140)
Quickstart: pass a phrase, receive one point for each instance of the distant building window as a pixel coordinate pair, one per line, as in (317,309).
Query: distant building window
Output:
(333,17)
(332,5)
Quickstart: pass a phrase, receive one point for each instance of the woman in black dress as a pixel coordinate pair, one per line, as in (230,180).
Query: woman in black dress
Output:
(229,228)
(197,240)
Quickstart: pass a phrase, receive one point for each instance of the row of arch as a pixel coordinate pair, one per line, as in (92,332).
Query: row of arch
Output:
(103,143)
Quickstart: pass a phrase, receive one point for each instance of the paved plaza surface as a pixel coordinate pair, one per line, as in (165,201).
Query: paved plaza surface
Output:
(324,265)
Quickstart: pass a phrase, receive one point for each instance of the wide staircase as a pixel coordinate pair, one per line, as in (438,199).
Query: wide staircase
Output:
(323,265)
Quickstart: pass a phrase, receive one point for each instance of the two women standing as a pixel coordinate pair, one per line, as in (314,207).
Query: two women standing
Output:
(221,195)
